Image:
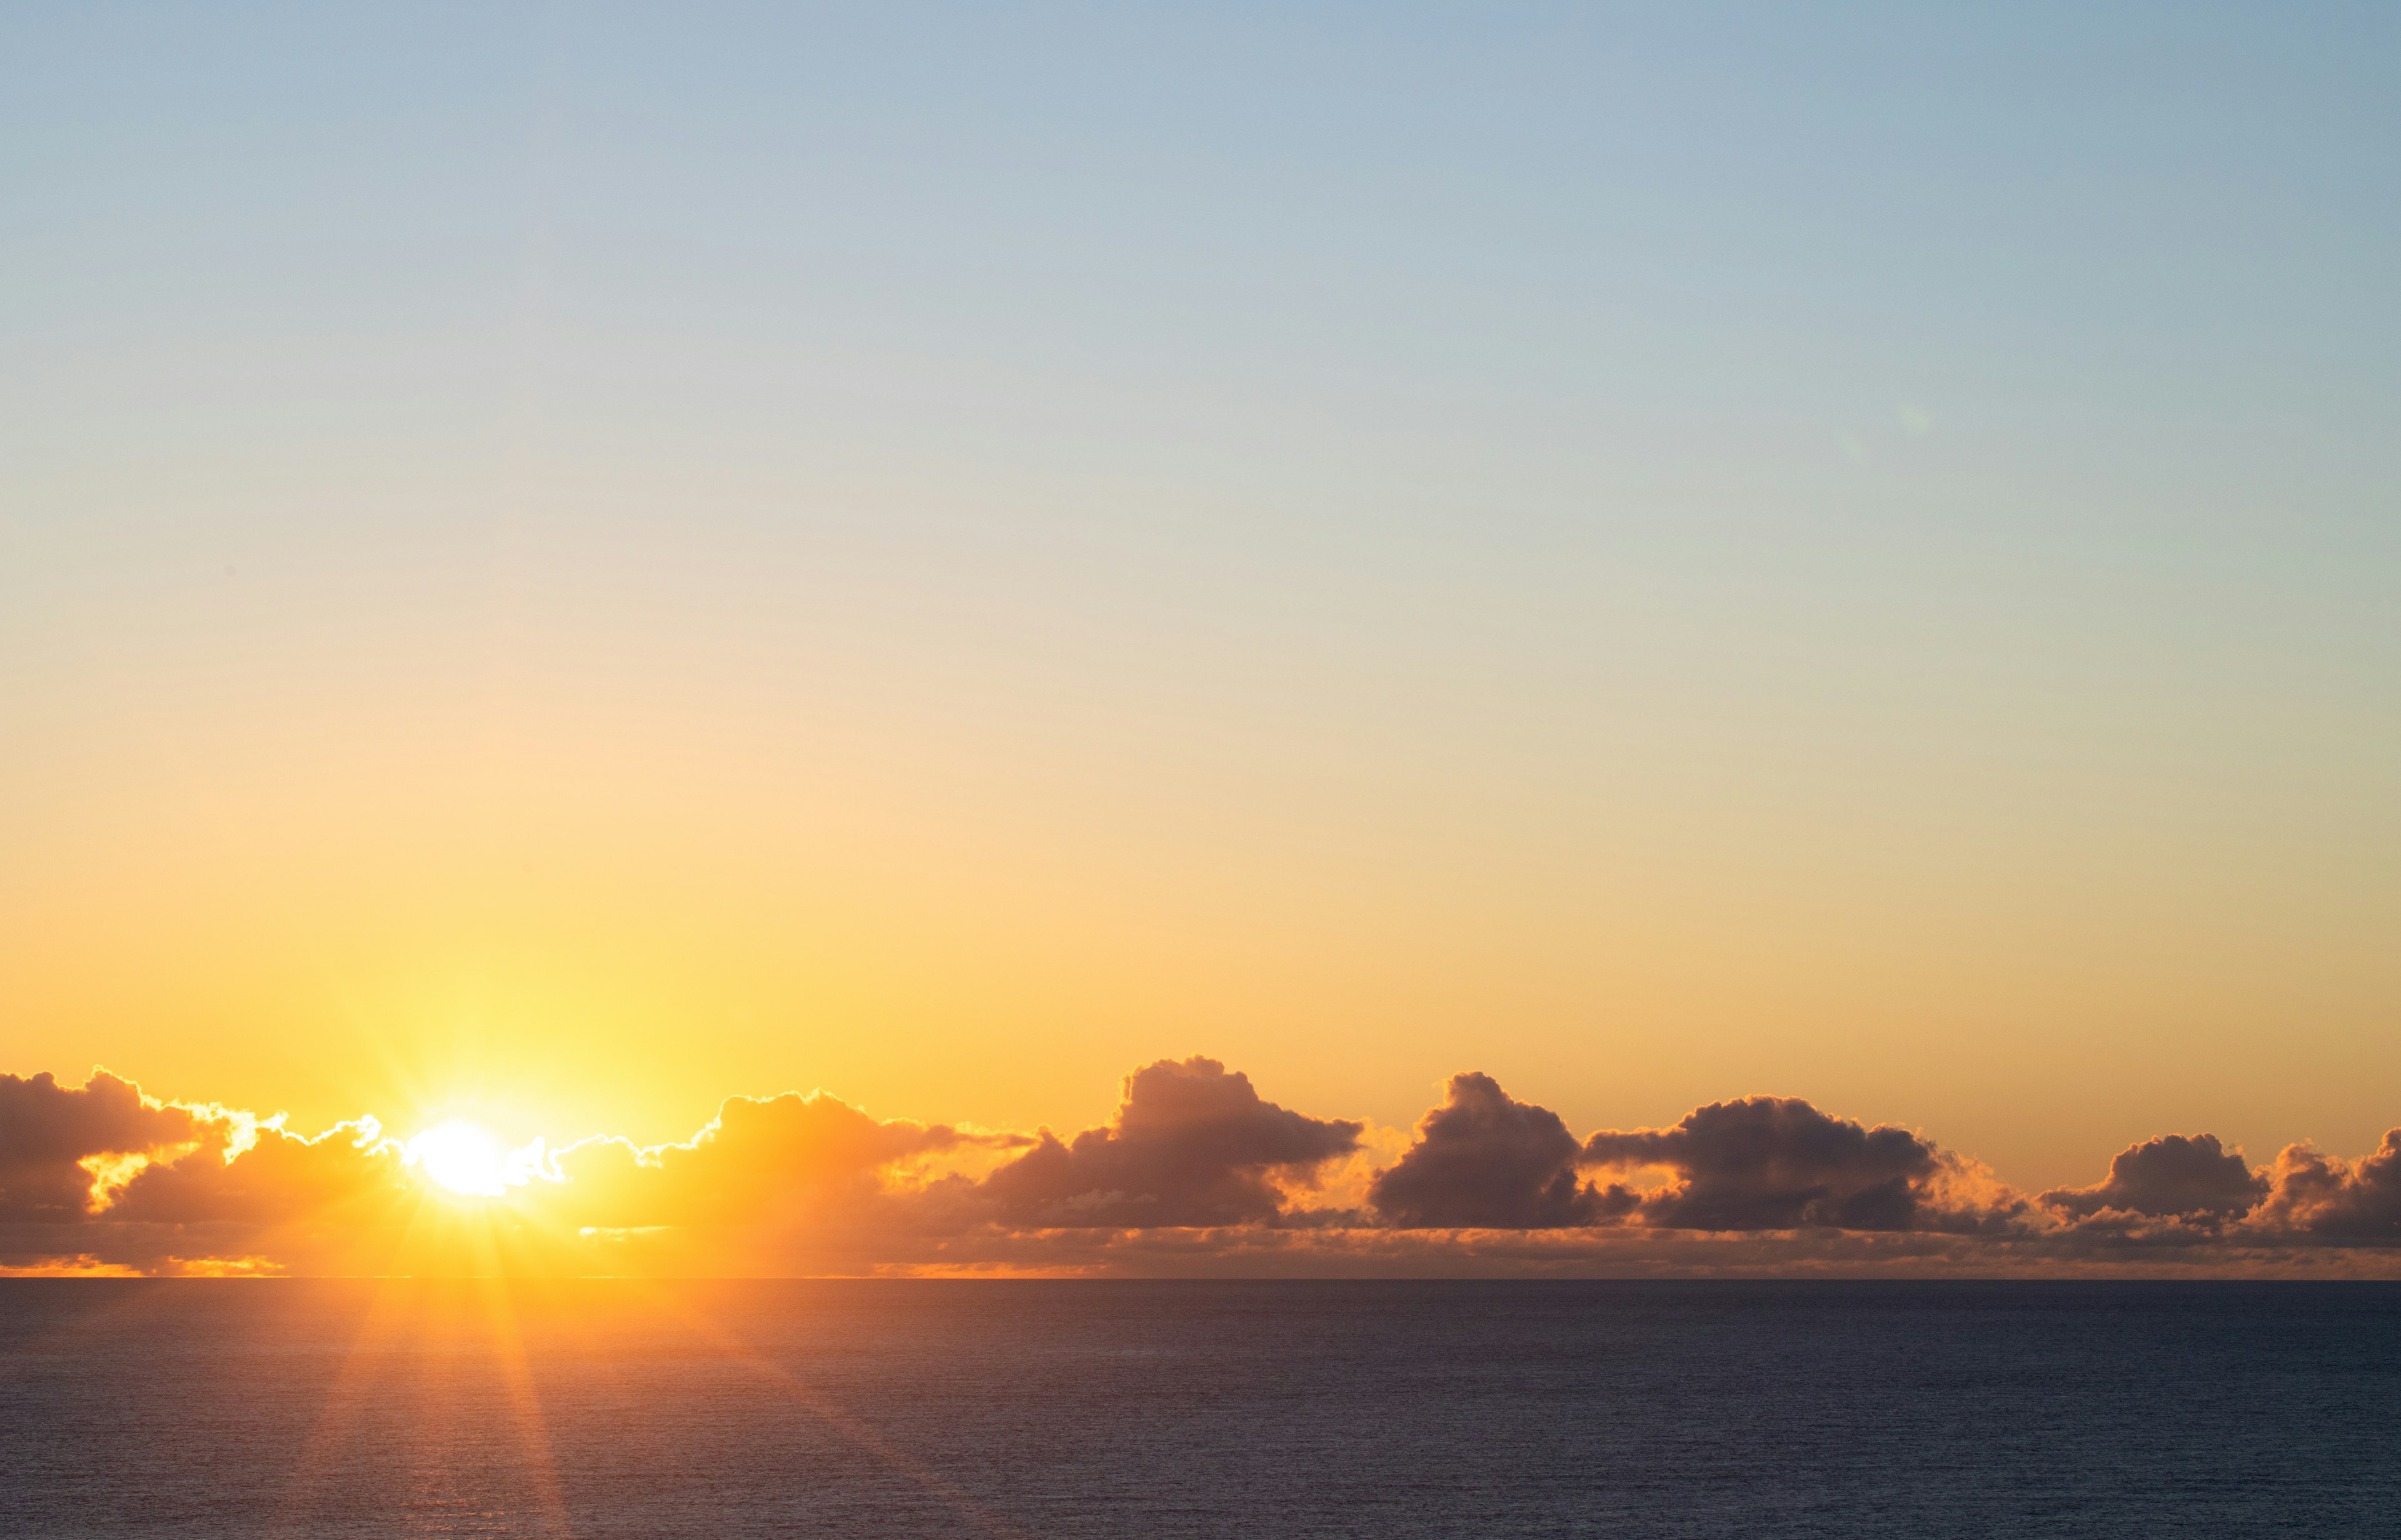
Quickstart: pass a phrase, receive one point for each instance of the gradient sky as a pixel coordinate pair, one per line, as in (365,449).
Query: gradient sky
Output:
(562,564)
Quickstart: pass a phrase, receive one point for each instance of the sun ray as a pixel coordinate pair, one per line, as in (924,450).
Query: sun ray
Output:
(540,1458)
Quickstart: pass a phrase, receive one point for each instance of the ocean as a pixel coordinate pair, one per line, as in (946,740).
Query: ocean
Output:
(1085,1409)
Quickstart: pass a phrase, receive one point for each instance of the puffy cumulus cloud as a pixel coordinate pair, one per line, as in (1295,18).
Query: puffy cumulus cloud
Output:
(1775,1162)
(185,1188)
(1485,1161)
(2334,1201)
(2192,1178)
(60,1146)
(1195,1175)
(759,1160)
(1191,1144)
(258,1175)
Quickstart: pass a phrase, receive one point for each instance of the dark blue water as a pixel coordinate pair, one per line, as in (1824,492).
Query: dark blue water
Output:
(1253,1410)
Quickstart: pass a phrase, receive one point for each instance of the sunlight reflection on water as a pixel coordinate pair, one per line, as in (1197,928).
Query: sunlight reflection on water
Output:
(1301,1410)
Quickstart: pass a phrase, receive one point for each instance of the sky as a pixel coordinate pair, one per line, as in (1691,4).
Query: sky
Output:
(561,564)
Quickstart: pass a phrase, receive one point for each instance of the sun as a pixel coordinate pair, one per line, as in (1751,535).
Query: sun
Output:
(460,1158)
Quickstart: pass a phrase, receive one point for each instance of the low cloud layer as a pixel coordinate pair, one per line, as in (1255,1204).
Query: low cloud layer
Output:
(2195,1179)
(1196,1174)
(1485,1161)
(50,1132)
(780,1159)
(2335,1202)
(1191,1144)
(1777,1162)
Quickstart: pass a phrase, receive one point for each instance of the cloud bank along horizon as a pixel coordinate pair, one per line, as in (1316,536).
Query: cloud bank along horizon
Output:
(1196,1174)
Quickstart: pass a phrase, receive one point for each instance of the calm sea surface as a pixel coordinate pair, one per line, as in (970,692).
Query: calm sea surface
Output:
(1271,1409)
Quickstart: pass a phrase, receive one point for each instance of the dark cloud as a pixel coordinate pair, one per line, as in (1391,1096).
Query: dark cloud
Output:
(47,1130)
(2192,1178)
(1773,1163)
(1190,1145)
(1485,1161)
(2334,1201)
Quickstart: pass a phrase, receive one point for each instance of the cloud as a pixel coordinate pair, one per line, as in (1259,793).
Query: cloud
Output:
(48,1132)
(1484,1161)
(1190,1145)
(2334,1201)
(2174,1177)
(180,1187)
(759,1160)
(1195,1175)
(243,1175)
(1773,1163)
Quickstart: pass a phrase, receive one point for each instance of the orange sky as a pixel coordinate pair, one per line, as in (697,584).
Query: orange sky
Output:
(606,926)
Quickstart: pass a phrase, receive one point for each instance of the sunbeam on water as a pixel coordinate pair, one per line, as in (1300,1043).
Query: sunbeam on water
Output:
(623,1410)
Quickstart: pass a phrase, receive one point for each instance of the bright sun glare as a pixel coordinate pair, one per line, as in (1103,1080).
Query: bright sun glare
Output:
(460,1157)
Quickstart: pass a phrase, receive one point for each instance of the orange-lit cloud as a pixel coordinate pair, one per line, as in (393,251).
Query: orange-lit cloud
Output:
(1196,1174)
(780,1160)
(2333,1203)
(58,1145)
(278,1177)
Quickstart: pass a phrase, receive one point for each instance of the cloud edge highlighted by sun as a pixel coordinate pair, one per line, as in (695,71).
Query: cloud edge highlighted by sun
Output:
(1196,1174)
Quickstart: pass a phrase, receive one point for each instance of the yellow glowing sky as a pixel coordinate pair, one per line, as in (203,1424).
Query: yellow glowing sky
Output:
(593,932)
(625,581)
